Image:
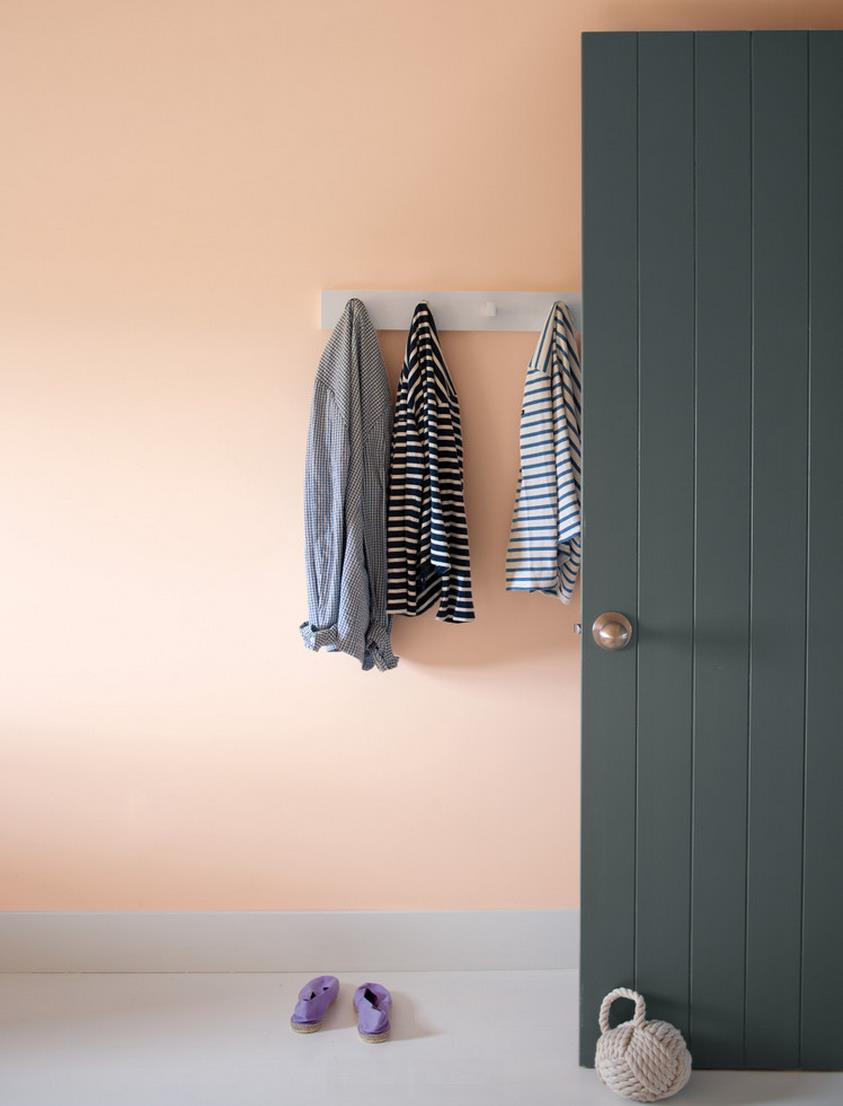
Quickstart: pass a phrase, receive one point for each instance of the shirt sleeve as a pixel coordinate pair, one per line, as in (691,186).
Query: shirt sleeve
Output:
(378,634)
(440,554)
(326,473)
(568,401)
(404,506)
(531,560)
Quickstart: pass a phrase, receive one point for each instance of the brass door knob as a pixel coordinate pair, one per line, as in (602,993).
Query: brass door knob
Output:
(612,630)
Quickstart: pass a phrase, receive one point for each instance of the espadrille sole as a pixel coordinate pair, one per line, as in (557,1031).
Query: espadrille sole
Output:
(305,1027)
(373,1038)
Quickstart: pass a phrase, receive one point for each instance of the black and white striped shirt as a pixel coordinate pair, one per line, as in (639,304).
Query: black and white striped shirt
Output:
(427,533)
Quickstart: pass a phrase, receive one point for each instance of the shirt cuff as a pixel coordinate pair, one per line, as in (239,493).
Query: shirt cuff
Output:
(316,639)
(379,652)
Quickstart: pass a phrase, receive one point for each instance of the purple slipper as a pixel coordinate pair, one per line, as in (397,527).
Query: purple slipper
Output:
(314,999)
(373,1004)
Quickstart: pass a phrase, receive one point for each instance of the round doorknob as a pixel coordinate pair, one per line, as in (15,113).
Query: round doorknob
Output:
(612,630)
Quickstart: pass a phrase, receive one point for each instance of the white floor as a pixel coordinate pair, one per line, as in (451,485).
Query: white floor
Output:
(459,1039)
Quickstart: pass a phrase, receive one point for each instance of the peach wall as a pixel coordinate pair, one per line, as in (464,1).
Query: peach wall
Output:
(180,179)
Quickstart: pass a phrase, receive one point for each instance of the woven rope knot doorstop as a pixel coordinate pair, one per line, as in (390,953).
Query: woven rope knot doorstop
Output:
(645,1061)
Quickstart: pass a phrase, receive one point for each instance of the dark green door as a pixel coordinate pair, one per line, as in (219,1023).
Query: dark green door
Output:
(712,849)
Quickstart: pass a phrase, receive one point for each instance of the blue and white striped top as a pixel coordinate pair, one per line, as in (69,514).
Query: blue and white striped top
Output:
(545,547)
(427,538)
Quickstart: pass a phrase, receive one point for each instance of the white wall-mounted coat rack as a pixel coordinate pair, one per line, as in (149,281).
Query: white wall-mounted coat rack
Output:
(453,310)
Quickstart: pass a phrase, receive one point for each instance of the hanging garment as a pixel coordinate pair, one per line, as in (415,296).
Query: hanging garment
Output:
(345,498)
(544,550)
(427,529)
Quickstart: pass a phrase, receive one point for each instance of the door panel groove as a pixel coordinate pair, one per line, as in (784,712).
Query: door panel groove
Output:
(749,548)
(694,523)
(807,514)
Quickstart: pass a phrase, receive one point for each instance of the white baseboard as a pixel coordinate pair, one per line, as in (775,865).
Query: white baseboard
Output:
(448,940)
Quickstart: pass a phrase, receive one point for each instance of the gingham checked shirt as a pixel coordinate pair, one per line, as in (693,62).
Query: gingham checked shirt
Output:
(345,496)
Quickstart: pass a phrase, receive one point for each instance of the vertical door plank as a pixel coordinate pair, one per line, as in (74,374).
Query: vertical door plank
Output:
(666,519)
(822,941)
(779,468)
(721,634)
(610,402)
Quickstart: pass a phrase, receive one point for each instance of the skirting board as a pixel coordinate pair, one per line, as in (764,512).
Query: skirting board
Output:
(451,940)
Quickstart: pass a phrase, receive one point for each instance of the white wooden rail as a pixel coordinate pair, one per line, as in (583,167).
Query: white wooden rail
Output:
(453,310)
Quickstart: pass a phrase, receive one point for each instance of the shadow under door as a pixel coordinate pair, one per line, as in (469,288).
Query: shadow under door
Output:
(712,848)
